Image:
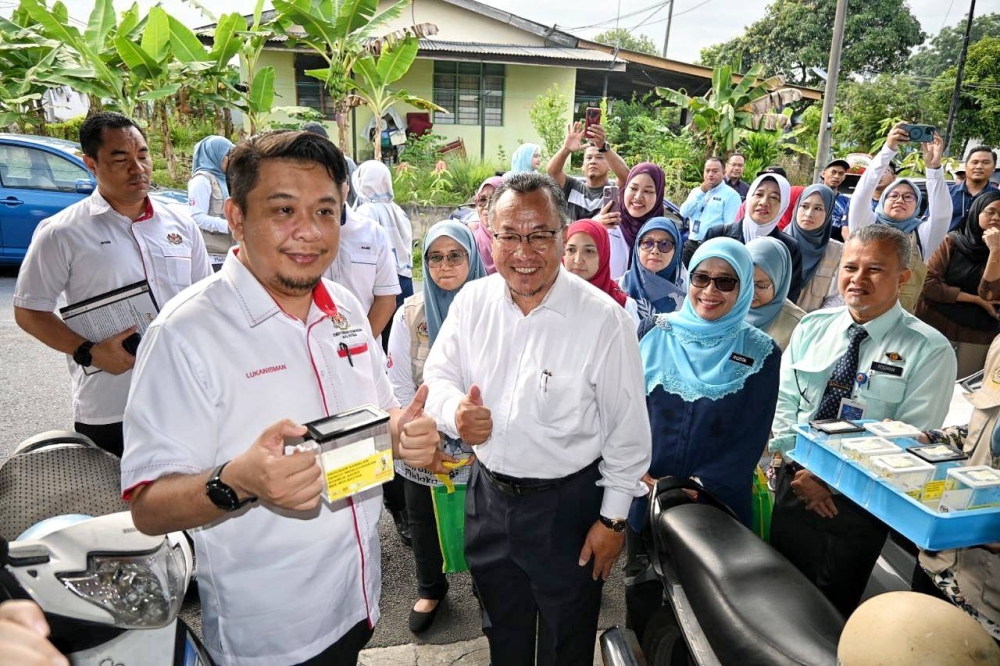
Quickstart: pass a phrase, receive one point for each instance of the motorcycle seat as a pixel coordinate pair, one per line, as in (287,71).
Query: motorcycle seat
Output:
(753,605)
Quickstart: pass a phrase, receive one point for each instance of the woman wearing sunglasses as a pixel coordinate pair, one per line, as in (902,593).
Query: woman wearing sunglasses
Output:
(588,256)
(703,365)
(962,289)
(770,310)
(767,200)
(452,260)
(654,276)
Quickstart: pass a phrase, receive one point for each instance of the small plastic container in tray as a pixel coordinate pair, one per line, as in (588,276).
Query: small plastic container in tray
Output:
(918,523)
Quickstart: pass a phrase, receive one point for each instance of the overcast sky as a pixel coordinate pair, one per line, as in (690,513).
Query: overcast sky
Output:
(696,24)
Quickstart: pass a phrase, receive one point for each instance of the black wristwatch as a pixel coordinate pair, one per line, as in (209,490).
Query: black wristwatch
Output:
(82,356)
(605,148)
(222,495)
(617,525)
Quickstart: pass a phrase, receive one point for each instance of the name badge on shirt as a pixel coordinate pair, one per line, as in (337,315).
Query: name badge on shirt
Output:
(888,369)
(741,359)
(851,410)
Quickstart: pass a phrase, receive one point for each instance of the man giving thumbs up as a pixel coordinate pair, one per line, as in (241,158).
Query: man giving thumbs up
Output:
(224,379)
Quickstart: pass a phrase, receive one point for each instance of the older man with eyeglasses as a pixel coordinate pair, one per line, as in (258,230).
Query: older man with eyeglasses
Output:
(540,372)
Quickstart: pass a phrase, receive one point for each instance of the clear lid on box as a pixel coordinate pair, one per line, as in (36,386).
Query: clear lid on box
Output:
(937,453)
(977,476)
(871,445)
(346,423)
(892,429)
(899,463)
(836,426)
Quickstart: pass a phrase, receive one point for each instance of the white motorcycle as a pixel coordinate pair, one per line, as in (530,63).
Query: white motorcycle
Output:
(111,594)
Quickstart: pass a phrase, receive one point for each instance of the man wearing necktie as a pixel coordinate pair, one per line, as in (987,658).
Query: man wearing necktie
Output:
(868,359)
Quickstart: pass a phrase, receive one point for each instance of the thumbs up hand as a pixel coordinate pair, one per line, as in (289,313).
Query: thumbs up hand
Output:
(265,472)
(473,420)
(418,435)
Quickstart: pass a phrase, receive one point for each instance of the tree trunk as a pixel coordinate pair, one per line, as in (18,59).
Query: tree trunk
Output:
(227,122)
(342,136)
(160,110)
(40,112)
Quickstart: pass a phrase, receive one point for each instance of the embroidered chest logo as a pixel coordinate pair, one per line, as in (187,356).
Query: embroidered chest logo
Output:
(422,330)
(340,321)
(175,239)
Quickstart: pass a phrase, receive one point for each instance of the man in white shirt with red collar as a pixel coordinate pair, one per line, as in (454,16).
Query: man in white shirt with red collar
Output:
(226,375)
(114,238)
(540,372)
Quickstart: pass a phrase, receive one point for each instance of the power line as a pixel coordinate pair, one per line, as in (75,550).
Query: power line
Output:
(608,22)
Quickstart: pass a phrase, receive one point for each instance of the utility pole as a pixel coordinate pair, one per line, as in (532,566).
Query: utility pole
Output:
(956,93)
(830,94)
(670,19)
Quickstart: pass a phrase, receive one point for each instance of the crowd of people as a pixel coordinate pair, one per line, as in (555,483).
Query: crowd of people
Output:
(572,342)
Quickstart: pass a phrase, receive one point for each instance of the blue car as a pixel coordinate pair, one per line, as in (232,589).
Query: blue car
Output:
(39,176)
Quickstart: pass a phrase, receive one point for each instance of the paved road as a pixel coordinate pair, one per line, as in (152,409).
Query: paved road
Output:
(36,397)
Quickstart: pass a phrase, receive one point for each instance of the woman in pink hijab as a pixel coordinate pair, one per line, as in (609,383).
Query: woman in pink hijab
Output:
(480,227)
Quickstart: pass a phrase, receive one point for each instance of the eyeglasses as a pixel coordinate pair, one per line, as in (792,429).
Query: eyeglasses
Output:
(723,283)
(482,202)
(763,286)
(908,198)
(454,258)
(663,246)
(538,240)
(991,214)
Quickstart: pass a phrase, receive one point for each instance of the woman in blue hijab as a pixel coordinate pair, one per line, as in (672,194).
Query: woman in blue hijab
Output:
(711,382)
(654,275)
(770,310)
(207,194)
(811,227)
(528,157)
(451,260)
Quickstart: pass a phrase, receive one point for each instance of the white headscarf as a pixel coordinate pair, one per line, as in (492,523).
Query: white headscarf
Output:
(372,182)
(753,230)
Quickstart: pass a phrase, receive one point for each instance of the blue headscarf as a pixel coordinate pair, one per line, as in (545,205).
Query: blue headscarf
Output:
(693,358)
(909,225)
(774,259)
(521,160)
(437,300)
(813,243)
(208,156)
(659,289)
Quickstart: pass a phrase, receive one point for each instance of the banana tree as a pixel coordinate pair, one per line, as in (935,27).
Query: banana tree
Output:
(26,56)
(719,116)
(374,76)
(342,32)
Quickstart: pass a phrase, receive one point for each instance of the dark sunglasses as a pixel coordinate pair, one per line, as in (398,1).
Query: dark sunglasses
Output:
(724,283)
(663,246)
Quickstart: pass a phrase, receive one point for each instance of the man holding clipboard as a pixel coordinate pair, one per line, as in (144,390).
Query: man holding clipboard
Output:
(116,259)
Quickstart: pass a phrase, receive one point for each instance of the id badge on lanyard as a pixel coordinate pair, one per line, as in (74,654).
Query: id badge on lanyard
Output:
(852,410)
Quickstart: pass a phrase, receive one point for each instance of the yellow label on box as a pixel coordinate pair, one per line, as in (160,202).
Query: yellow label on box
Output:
(359,475)
(933,490)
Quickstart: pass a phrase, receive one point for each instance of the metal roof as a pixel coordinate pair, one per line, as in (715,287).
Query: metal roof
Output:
(518,51)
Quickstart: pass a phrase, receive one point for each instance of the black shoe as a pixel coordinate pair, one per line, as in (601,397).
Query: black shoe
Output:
(421,622)
(403,527)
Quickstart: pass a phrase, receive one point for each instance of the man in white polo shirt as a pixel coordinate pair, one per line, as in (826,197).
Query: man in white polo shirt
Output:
(114,238)
(225,376)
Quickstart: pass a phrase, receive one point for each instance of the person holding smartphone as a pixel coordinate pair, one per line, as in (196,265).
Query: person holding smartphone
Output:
(585,195)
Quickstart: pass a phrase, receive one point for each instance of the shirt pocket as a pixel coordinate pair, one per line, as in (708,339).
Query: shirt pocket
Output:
(178,263)
(884,389)
(558,404)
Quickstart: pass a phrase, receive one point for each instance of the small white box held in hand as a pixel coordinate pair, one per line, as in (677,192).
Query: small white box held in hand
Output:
(967,488)
(904,471)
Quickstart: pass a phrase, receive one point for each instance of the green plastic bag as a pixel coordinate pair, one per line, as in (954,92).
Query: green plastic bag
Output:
(449,513)
(762,504)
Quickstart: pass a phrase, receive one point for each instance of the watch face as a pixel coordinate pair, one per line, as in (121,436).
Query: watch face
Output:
(222,495)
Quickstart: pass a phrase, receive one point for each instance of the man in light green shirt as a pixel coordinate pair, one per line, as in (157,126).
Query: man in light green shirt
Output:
(905,372)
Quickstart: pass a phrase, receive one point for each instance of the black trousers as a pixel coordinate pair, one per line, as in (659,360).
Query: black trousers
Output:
(345,651)
(109,437)
(523,553)
(393,495)
(837,554)
(431,581)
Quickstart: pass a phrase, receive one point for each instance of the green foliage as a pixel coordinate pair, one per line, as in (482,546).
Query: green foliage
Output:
(759,150)
(68,130)
(548,117)
(624,39)
(810,120)
(942,52)
(794,36)
(978,114)
(424,178)
(297,117)
(866,104)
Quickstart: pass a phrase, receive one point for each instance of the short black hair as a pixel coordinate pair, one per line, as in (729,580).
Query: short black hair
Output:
(527,182)
(246,158)
(713,158)
(736,154)
(775,170)
(92,130)
(981,149)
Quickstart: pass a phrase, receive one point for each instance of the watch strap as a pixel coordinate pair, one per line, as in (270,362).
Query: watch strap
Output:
(605,148)
(233,502)
(82,355)
(614,524)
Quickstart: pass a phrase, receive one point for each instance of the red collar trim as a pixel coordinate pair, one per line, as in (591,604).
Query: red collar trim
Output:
(323,300)
(146,214)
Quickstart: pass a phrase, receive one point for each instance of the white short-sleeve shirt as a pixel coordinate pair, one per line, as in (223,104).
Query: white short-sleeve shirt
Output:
(364,263)
(219,365)
(89,249)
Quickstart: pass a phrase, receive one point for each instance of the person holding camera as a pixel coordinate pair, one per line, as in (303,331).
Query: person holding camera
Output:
(899,206)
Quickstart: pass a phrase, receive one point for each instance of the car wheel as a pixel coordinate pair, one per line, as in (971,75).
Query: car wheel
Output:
(662,643)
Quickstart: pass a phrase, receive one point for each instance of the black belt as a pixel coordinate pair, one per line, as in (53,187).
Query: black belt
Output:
(513,486)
